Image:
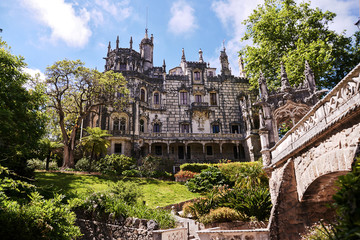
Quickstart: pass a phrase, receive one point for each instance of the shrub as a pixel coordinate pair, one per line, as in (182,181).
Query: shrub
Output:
(131,173)
(116,164)
(188,210)
(185,174)
(319,231)
(207,180)
(84,164)
(149,165)
(162,175)
(36,164)
(195,167)
(252,176)
(222,214)
(232,170)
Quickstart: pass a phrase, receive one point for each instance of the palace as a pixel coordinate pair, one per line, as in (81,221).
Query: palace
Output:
(190,114)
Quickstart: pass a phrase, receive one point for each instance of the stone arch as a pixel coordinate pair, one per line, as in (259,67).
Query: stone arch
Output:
(143,94)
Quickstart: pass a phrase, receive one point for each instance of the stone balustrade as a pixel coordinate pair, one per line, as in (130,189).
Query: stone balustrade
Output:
(193,136)
(341,101)
(171,234)
(218,234)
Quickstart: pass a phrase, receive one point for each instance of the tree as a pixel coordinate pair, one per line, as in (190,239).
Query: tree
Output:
(74,92)
(48,147)
(95,143)
(21,121)
(283,31)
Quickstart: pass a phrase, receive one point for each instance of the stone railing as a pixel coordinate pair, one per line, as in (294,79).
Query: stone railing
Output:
(193,136)
(217,233)
(171,234)
(124,133)
(342,100)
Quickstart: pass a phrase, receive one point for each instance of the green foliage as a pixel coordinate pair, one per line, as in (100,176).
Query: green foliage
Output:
(232,170)
(121,199)
(149,165)
(116,164)
(47,149)
(25,214)
(84,164)
(37,164)
(131,173)
(22,123)
(95,143)
(222,214)
(319,231)
(347,205)
(282,30)
(185,174)
(252,176)
(162,175)
(74,91)
(194,167)
(207,180)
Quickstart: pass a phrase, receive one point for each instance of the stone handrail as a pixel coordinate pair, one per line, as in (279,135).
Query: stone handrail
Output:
(170,234)
(193,136)
(338,103)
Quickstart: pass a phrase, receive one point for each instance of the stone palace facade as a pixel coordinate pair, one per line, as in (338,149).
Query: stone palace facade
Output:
(190,114)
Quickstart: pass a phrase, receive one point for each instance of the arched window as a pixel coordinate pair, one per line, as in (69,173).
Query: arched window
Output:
(122,124)
(142,125)
(156,98)
(197,76)
(198,98)
(156,128)
(183,98)
(142,95)
(116,124)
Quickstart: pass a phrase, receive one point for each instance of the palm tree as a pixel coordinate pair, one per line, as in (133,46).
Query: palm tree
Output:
(95,143)
(49,147)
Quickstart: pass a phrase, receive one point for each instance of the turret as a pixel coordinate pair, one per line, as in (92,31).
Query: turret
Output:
(109,48)
(225,69)
(117,43)
(183,62)
(164,66)
(146,51)
(131,43)
(200,56)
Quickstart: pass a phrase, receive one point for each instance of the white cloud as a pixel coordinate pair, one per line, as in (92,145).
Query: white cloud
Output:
(183,19)
(65,23)
(119,10)
(231,14)
(34,73)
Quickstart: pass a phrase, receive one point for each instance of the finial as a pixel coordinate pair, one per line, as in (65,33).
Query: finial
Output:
(200,56)
(264,93)
(224,44)
(152,38)
(309,77)
(109,47)
(117,42)
(164,66)
(284,79)
(146,33)
(241,66)
(183,59)
(131,42)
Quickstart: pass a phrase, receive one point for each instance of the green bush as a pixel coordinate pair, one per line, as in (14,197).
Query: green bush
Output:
(24,214)
(85,165)
(150,164)
(194,167)
(163,175)
(188,210)
(37,164)
(222,214)
(116,164)
(207,180)
(131,173)
(318,231)
(232,170)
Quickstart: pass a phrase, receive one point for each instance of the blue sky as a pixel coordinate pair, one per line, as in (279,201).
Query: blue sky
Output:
(44,31)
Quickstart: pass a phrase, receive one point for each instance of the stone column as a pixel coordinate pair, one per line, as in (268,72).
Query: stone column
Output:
(149,148)
(136,123)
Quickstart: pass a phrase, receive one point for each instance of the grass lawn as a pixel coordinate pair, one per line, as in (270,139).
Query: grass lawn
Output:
(156,192)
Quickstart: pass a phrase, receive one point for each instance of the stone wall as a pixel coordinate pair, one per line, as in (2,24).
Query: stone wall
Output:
(128,229)
(218,234)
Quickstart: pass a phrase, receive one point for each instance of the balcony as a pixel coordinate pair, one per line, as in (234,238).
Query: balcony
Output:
(193,136)
(200,105)
(117,133)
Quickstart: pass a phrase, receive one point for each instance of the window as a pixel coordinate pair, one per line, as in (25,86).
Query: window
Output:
(183,98)
(197,76)
(181,152)
(198,98)
(122,124)
(158,150)
(215,128)
(156,128)
(118,148)
(142,95)
(185,128)
(142,125)
(209,150)
(116,124)
(213,100)
(188,153)
(122,66)
(211,74)
(234,128)
(156,98)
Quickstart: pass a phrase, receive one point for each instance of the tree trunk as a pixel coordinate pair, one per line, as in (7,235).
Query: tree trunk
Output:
(47,161)
(68,158)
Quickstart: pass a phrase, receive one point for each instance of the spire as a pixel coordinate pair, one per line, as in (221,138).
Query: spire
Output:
(200,56)
(183,59)
(117,42)
(131,42)
(309,77)
(285,85)
(241,67)
(164,66)
(264,93)
(224,45)
(109,47)
(146,33)
(152,38)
